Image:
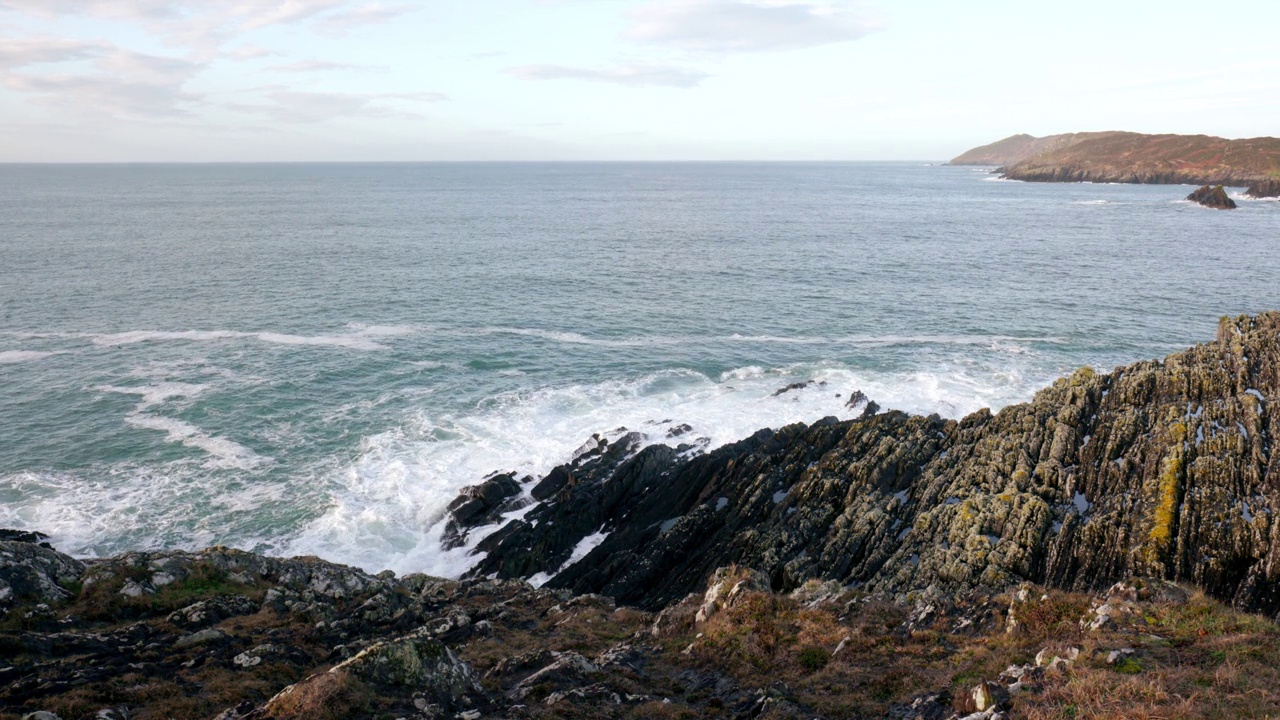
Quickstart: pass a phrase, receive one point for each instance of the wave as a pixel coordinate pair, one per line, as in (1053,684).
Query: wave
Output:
(361,338)
(387,507)
(20,356)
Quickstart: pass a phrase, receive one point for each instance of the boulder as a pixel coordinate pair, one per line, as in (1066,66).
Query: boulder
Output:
(1213,197)
(32,573)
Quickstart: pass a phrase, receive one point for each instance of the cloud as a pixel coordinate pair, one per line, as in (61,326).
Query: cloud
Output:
(736,26)
(131,86)
(633,75)
(344,21)
(20,52)
(310,66)
(249,52)
(293,106)
(122,83)
(206,25)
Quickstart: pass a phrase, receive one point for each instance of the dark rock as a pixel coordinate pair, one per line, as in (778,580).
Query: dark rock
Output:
(1213,197)
(27,536)
(1159,469)
(1264,189)
(480,505)
(679,430)
(793,386)
(213,611)
(927,706)
(870,410)
(856,398)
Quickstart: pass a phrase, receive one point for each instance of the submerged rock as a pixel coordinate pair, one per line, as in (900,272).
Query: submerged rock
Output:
(1213,197)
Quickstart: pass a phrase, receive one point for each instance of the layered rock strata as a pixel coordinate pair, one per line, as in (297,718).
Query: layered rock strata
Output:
(1163,468)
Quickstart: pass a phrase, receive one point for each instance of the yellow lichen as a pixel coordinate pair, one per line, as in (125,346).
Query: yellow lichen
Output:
(1167,491)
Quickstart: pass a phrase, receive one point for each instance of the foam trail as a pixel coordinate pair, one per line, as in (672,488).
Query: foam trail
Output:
(19,356)
(362,338)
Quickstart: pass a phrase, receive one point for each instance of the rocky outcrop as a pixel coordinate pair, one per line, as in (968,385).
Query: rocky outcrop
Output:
(1213,197)
(1264,189)
(1163,468)
(1125,157)
(34,573)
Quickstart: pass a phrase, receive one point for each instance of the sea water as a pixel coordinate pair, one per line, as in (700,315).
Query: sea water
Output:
(313,359)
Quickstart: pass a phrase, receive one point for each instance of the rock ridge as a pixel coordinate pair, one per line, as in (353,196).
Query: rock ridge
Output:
(1164,469)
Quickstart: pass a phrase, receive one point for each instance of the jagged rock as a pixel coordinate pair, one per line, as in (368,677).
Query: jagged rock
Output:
(202,637)
(856,398)
(212,611)
(1213,197)
(981,698)
(929,706)
(794,386)
(479,505)
(1264,189)
(566,669)
(726,586)
(1159,469)
(34,573)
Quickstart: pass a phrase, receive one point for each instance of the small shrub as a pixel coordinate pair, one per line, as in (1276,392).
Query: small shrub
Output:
(1129,666)
(813,658)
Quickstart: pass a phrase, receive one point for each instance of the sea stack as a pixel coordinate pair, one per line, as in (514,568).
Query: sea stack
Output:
(1213,197)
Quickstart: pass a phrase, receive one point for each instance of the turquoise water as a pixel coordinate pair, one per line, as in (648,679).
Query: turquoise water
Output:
(314,358)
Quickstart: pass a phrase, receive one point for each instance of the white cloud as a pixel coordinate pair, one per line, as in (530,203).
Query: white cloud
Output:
(249,52)
(344,21)
(130,85)
(293,106)
(122,83)
(737,26)
(311,66)
(635,75)
(20,52)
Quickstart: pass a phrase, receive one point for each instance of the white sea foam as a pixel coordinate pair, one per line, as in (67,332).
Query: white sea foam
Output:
(361,337)
(18,356)
(386,509)
(223,453)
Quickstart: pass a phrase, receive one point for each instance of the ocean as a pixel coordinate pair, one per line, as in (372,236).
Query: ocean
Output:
(313,359)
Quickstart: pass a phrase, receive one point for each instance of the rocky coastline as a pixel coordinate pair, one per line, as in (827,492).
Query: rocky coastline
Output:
(1111,547)
(1125,157)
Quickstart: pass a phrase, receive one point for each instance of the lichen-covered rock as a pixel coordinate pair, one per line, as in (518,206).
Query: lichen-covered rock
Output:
(34,573)
(1162,470)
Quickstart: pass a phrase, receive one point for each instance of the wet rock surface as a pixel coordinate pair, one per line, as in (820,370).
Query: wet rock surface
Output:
(1163,469)
(1212,197)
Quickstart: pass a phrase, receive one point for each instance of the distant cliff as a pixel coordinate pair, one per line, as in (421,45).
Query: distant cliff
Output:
(1015,149)
(1127,157)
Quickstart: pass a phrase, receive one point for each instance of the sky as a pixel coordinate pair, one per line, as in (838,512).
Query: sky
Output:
(396,80)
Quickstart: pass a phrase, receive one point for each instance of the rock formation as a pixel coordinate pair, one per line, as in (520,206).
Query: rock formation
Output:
(890,566)
(1213,197)
(1125,157)
(1163,469)
(1264,189)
